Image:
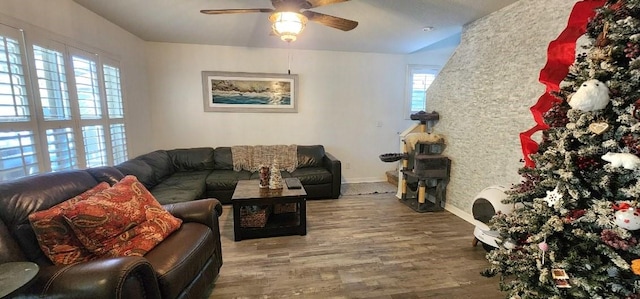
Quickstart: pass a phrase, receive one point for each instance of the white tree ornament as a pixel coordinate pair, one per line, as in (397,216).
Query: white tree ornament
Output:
(628,218)
(592,95)
(553,197)
(626,160)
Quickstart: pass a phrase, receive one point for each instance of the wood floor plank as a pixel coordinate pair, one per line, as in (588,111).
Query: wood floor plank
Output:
(364,246)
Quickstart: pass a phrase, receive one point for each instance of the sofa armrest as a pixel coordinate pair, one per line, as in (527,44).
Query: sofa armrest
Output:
(121,277)
(333,165)
(205,211)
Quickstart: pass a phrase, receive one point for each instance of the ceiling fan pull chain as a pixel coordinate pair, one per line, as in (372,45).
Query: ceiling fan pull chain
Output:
(289,59)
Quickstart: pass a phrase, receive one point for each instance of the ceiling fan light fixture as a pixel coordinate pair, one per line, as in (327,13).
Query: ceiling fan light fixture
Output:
(288,24)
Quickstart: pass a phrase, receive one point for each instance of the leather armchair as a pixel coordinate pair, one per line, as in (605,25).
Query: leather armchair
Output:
(182,266)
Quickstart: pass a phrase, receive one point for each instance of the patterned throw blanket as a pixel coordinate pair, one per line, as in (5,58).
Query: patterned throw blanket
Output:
(250,158)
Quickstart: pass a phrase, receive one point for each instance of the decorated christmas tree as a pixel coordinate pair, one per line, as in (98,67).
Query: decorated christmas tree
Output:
(575,228)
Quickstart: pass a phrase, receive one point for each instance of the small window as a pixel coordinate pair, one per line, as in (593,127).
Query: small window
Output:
(419,78)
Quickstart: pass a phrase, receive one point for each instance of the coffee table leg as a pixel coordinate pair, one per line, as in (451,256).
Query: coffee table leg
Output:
(237,236)
(303,217)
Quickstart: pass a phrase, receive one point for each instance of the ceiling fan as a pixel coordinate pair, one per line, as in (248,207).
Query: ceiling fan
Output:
(289,17)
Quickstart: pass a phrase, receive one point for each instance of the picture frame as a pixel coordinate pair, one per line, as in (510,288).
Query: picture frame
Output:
(249,92)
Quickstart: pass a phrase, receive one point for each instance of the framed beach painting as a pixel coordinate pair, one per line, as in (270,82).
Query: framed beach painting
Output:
(249,92)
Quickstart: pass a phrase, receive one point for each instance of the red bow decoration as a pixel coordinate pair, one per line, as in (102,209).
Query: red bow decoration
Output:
(560,56)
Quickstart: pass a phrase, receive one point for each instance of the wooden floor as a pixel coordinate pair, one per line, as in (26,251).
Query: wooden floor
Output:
(365,246)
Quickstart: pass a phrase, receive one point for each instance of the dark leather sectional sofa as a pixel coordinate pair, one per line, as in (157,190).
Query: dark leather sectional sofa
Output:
(185,181)
(186,174)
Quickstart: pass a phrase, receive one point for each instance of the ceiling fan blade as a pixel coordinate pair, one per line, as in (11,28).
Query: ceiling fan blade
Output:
(316,3)
(331,21)
(231,11)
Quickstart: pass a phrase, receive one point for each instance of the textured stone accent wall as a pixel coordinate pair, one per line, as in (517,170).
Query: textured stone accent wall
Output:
(484,92)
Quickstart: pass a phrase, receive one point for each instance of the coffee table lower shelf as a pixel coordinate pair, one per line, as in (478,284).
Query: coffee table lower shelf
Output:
(278,225)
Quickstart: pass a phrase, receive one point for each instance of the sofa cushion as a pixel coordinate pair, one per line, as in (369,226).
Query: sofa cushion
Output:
(181,186)
(223,158)
(226,179)
(192,159)
(57,240)
(160,164)
(283,173)
(312,175)
(139,169)
(310,155)
(124,220)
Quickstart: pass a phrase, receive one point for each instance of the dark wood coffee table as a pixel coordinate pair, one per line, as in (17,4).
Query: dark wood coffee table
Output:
(248,193)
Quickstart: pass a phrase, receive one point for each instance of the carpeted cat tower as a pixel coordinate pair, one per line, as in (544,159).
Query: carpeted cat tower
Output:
(425,171)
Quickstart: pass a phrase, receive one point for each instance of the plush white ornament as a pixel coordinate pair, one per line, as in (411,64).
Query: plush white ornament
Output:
(628,218)
(626,160)
(592,95)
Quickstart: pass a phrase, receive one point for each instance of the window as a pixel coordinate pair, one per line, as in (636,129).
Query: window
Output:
(74,118)
(419,78)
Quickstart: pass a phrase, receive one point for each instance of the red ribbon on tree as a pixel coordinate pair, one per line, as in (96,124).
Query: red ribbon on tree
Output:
(560,56)
(621,206)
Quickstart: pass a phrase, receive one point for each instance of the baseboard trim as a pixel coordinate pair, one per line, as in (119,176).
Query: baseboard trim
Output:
(364,180)
(460,213)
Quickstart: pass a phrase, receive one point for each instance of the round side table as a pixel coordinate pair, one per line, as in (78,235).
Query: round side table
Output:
(15,275)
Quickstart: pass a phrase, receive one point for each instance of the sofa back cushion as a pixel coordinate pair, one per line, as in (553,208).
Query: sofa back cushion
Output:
(192,159)
(107,174)
(310,155)
(139,169)
(21,197)
(223,158)
(160,163)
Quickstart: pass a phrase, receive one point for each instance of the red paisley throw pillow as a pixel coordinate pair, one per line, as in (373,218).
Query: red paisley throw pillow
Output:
(56,239)
(124,220)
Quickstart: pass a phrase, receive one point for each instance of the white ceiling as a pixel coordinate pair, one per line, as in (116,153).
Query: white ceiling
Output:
(385,26)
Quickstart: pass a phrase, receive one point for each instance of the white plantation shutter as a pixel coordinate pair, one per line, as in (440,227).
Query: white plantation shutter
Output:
(119,143)
(94,145)
(18,154)
(115,111)
(55,104)
(87,90)
(67,114)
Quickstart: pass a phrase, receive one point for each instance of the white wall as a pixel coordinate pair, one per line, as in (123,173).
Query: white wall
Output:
(484,92)
(68,22)
(343,97)
(349,102)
